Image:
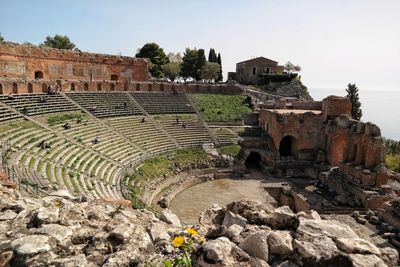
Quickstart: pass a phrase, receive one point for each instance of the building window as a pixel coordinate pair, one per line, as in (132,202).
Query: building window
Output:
(44,88)
(1,89)
(72,87)
(138,87)
(267,71)
(38,75)
(114,77)
(99,87)
(112,87)
(86,87)
(254,70)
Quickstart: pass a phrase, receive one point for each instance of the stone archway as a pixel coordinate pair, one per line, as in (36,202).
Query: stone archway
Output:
(288,147)
(253,160)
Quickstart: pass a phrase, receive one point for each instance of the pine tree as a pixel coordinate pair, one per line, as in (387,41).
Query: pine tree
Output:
(201,61)
(220,77)
(189,60)
(212,56)
(352,94)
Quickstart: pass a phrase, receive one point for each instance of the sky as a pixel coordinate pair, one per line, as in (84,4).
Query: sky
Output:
(335,42)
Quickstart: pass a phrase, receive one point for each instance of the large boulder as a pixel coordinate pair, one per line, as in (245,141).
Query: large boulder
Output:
(170,218)
(256,245)
(330,228)
(224,252)
(356,245)
(212,216)
(254,211)
(320,248)
(282,218)
(31,245)
(231,219)
(280,242)
(359,260)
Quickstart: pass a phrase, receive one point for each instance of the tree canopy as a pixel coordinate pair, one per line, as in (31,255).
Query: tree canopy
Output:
(189,61)
(210,71)
(352,94)
(155,54)
(1,38)
(290,67)
(172,70)
(58,41)
(201,61)
(212,56)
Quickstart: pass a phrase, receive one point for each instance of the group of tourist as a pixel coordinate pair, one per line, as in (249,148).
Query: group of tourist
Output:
(184,125)
(54,90)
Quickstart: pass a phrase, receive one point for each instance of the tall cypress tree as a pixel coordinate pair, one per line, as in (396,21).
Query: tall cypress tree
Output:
(220,77)
(201,61)
(212,56)
(352,94)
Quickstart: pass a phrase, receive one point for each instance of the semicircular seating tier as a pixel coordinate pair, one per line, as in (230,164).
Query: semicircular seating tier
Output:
(115,131)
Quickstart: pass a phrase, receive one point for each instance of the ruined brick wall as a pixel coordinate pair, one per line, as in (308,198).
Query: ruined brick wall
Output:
(334,106)
(305,129)
(22,86)
(356,147)
(32,62)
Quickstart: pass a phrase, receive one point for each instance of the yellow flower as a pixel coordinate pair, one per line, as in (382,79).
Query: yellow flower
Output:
(178,241)
(192,232)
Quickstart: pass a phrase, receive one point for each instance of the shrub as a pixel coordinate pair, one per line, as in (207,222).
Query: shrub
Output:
(279,77)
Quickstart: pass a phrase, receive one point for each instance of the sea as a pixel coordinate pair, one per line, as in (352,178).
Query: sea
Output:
(382,107)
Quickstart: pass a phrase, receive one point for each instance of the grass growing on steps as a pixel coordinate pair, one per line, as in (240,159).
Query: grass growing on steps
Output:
(160,166)
(231,150)
(57,119)
(222,108)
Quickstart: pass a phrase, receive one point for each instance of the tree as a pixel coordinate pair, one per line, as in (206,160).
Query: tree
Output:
(172,70)
(220,77)
(189,60)
(201,61)
(156,56)
(58,41)
(352,94)
(210,71)
(1,38)
(290,67)
(212,56)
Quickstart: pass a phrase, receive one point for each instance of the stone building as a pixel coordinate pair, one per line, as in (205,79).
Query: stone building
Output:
(32,63)
(313,134)
(249,71)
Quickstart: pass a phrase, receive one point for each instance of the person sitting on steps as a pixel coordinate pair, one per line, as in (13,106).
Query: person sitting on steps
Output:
(67,126)
(96,141)
(93,109)
(143,119)
(42,99)
(11,96)
(78,120)
(24,111)
(177,120)
(184,125)
(44,145)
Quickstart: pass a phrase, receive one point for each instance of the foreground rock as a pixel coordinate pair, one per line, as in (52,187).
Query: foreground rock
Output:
(62,230)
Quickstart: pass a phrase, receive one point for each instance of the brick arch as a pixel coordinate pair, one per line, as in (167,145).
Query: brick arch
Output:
(1,89)
(44,88)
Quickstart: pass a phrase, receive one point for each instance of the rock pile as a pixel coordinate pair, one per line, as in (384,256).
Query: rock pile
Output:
(62,230)
(248,233)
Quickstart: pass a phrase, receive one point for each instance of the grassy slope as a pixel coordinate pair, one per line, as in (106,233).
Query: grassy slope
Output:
(222,108)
